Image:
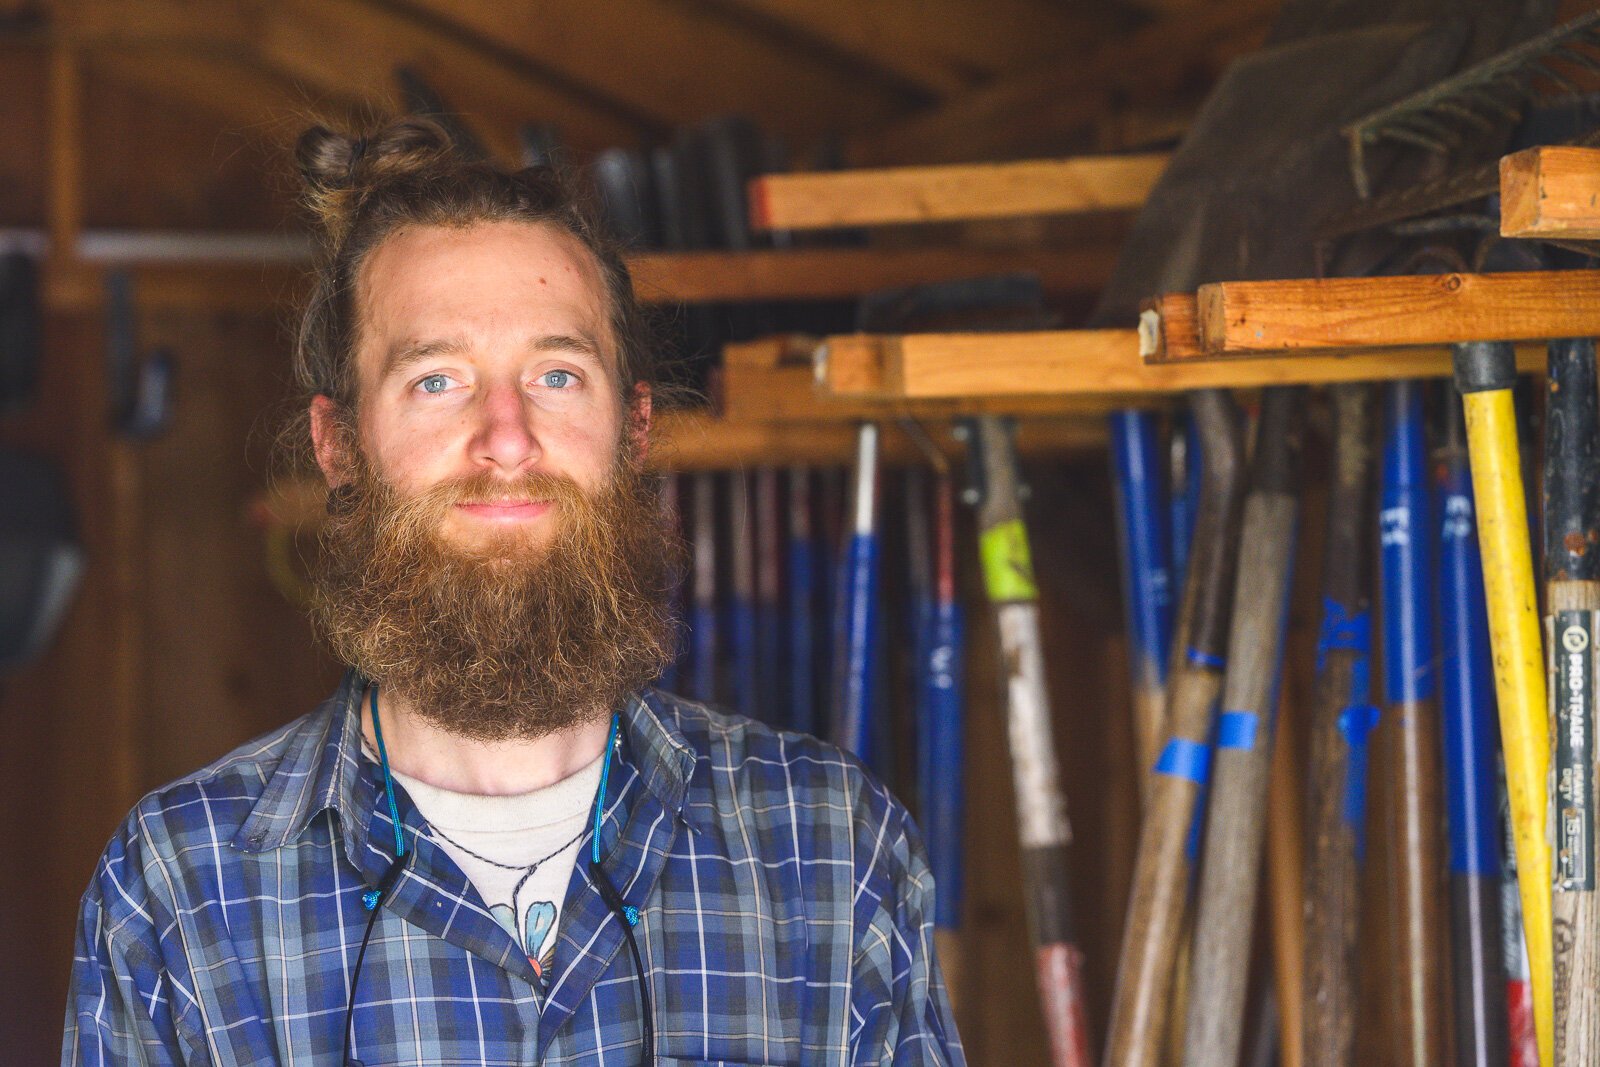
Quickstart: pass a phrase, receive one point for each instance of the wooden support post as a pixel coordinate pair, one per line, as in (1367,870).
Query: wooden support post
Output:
(1552,191)
(1249,318)
(827,199)
(66,152)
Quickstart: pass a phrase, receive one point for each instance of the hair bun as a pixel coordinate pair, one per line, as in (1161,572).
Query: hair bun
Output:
(339,168)
(327,160)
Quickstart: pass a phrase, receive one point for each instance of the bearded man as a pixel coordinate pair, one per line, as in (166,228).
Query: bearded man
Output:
(496,843)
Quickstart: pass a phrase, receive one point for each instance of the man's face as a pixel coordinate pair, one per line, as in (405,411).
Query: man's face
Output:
(484,356)
(496,554)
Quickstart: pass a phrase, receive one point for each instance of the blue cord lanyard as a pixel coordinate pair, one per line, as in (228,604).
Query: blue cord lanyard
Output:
(388,779)
(394,809)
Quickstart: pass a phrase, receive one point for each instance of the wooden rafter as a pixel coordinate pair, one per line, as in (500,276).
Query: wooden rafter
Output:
(1001,120)
(945,47)
(349,49)
(236,87)
(678,62)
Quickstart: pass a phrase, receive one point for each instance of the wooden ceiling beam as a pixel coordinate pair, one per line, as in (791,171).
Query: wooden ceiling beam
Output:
(1056,97)
(945,47)
(349,50)
(252,97)
(345,45)
(678,62)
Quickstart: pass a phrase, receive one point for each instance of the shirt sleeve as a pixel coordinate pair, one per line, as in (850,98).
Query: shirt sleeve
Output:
(900,1011)
(120,1001)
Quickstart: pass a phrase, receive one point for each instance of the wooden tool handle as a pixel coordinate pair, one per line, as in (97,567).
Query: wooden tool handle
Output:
(1041,805)
(1236,817)
(1410,685)
(1161,871)
(1572,573)
(1342,718)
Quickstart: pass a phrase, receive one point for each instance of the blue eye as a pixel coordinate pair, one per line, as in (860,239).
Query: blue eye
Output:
(434,383)
(557,379)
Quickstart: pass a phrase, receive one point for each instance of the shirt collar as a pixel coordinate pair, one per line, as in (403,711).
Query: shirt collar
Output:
(321,768)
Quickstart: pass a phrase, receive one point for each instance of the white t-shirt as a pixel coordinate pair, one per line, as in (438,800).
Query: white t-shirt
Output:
(546,826)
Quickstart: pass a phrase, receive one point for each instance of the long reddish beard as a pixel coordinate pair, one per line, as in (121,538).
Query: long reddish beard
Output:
(507,639)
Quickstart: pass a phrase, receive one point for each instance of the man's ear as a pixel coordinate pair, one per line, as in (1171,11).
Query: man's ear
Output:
(639,419)
(328,440)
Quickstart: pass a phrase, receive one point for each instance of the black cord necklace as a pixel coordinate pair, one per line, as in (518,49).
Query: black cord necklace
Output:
(625,913)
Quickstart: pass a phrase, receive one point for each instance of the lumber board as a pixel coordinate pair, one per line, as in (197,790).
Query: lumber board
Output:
(975,368)
(789,394)
(1429,309)
(832,273)
(1551,191)
(951,193)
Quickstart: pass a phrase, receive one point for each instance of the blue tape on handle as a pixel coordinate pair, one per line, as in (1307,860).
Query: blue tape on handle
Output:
(1237,729)
(1342,631)
(1356,723)
(1206,659)
(1186,759)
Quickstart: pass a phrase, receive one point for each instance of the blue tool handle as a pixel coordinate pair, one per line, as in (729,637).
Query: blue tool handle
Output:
(858,660)
(1466,681)
(942,753)
(1145,538)
(1405,543)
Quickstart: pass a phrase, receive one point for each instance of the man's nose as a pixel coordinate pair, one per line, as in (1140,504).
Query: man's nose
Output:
(506,437)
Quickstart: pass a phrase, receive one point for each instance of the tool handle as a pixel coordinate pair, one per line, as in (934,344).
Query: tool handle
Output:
(1144,538)
(1163,859)
(1485,374)
(1343,716)
(1466,694)
(1236,811)
(856,662)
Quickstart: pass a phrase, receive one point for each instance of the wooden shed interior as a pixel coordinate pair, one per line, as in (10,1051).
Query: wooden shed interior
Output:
(148,144)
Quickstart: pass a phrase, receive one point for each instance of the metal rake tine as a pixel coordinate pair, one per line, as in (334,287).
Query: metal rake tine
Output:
(1408,136)
(1467,114)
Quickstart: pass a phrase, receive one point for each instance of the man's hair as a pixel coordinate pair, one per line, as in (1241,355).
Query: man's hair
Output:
(361,189)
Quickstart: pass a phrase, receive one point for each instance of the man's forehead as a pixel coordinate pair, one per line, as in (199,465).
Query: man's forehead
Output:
(427,290)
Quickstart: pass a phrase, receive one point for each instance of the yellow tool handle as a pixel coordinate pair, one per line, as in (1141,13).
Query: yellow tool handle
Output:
(1519,671)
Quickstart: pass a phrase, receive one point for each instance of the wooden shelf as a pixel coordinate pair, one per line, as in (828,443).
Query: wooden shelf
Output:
(975,369)
(803,380)
(1249,318)
(690,441)
(828,199)
(659,277)
(1551,192)
(835,273)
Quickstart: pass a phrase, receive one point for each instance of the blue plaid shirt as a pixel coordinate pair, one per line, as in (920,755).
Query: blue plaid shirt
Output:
(786,911)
